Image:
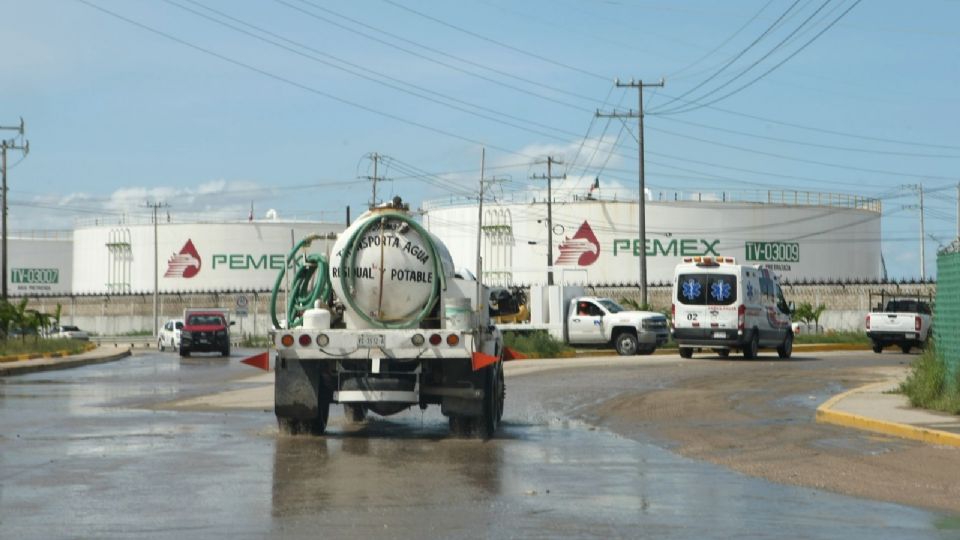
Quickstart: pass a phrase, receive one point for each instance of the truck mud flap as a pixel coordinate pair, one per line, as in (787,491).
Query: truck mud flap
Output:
(457,406)
(299,389)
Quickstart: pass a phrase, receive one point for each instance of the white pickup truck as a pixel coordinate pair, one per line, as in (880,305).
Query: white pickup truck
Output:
(566,313)
(905,321)
(596,321)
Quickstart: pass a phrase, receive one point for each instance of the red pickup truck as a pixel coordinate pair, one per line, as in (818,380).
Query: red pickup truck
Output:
(205,330)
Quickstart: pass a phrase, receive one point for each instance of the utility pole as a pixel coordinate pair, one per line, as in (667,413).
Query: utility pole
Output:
(549,177)
(923,240)
(483,160)
(639,85)
(923,263)
(156,276)
(375,157)
(4,146)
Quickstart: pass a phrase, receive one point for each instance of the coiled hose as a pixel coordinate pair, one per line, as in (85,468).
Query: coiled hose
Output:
(310,283)
(347,278)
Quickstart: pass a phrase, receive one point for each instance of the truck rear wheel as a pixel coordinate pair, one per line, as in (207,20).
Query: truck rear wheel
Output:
(625,343)
(786,348)
(906,348)
(184,352)
(461,426)
(877,348)
(752,347)
(305,426)
(493,397)
(354,412)
(686,352)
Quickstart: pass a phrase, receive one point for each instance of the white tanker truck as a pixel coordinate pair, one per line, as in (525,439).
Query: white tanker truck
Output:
(387,324)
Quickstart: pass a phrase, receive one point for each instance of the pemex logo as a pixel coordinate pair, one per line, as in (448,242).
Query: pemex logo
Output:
(583,249)
(185,264)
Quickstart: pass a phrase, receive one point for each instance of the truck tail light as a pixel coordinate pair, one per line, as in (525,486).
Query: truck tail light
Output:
(673,315)
(868,322)
(453,340)
(286,340)
(741,317)
(305,340)
(916,323)
(435,339)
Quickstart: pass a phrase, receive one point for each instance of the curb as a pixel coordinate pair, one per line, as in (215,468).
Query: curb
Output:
(36,364)
(55,354)
(826,415)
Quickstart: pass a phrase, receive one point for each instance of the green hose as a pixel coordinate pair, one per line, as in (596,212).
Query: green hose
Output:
(301,297)
(347,277)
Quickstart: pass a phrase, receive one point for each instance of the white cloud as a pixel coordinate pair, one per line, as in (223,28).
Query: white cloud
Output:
(209,201)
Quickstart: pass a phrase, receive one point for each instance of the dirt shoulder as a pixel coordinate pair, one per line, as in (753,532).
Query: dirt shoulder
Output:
(760,422)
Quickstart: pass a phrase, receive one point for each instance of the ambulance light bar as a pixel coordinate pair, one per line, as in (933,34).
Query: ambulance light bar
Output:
(710,261)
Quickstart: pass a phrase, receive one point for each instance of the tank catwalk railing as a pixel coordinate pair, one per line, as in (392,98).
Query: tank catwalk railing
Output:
(763,196)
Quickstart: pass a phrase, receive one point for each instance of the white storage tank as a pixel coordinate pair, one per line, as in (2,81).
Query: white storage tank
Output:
(190,257)
(801,235)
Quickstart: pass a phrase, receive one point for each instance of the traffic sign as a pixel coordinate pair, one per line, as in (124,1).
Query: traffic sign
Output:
(242,303)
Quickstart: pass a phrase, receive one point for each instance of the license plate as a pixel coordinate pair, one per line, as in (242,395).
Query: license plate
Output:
(909,335)
(370,340)
(719,335)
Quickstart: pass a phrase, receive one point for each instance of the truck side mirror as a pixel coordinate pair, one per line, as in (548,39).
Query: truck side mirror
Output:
(179,326)
(233,323)
(791,308)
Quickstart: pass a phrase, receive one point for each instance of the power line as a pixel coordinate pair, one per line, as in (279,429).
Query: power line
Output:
(538,84)
(699,104)
(498,43)
(743,27)
(293,83)
(801,160)
(804,143)
(737,56)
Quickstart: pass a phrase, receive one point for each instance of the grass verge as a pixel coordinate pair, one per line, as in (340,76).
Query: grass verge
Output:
(40,346)
(928,386)
(538,343)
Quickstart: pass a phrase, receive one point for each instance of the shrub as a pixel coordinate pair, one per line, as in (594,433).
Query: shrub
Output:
(927,385)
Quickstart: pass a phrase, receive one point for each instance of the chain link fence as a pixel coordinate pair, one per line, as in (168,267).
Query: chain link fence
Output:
(946,318)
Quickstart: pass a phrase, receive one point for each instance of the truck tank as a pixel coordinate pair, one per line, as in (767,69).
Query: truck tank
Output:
(388,271)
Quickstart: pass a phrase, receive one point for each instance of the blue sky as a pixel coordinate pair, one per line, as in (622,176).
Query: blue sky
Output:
(171,105)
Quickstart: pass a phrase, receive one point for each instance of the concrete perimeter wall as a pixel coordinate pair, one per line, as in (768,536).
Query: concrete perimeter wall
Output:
(846,304)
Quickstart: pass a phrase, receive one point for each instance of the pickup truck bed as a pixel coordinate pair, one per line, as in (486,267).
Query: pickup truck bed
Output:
(905,323)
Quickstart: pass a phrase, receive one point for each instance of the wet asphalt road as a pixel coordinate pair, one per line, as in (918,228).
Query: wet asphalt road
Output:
(87,453)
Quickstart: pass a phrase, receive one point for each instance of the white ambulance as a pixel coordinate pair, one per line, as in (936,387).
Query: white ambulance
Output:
(721,305)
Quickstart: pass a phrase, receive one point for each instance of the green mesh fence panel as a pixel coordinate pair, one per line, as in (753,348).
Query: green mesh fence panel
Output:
(946,326)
